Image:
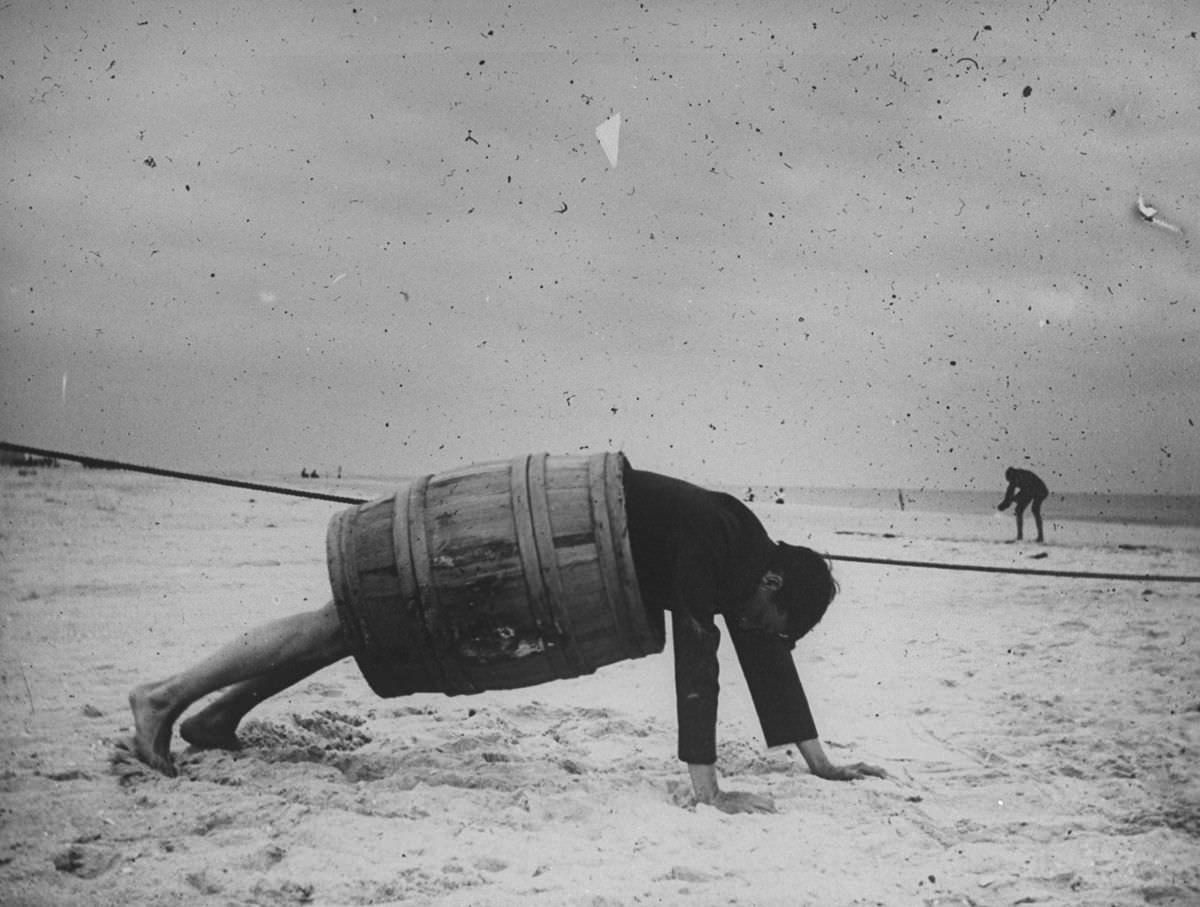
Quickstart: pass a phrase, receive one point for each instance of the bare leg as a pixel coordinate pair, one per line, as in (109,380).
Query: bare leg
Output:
(1037,518)
(215,726)
(1020,512)
(286,649)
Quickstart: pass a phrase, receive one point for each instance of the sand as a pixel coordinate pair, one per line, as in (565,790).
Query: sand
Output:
(1042,734)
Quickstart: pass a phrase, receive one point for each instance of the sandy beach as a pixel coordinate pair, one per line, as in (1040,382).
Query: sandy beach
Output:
(1042,734)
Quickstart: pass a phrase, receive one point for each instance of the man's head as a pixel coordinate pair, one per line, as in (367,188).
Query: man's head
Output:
(807,589)
(793,594)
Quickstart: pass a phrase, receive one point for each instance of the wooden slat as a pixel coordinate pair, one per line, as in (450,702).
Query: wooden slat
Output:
(437,621)
(553,612)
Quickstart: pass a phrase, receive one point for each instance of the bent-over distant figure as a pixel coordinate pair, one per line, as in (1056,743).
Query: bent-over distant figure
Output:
(1025,488)
(696,553)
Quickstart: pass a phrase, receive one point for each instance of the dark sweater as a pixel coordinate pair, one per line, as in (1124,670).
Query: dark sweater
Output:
(700,553)
(1023,486)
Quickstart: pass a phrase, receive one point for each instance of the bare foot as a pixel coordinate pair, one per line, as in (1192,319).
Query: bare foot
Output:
(151,741)
(210,732)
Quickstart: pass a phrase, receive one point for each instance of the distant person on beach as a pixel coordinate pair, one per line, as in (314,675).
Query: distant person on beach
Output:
(697,553)
(1025,489)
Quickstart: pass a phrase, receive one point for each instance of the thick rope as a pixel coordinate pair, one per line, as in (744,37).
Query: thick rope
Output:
(320,496)
(96,463)
(1024,571)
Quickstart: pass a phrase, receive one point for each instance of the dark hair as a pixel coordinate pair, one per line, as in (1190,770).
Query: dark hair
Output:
(808,586)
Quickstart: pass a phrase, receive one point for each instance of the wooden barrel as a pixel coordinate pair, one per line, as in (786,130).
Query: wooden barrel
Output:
(493,576)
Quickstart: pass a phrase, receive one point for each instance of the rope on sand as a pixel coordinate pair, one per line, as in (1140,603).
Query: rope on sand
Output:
(1024,571)
(340,499)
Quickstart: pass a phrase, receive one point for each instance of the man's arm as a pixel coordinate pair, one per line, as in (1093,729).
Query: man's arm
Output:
(1009,495)
(697,686)
(783,711)
(696,689)
(770,671)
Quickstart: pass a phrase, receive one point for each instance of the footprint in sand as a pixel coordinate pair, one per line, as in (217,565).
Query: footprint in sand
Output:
(339,729)
(687,874)
(1073,625)
(311,738)
(124,763)
(85,861)
(328,690)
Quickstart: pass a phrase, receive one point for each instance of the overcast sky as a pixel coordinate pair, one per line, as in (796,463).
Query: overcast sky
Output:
(854,243)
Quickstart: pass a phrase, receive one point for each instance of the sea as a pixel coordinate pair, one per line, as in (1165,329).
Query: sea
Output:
(1101,507)
(1144,509)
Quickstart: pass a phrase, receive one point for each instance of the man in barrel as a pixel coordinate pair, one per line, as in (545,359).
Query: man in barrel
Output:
(697,553)
(1025,488)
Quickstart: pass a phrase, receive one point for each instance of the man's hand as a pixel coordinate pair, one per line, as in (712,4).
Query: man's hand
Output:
(819,765)
(736,801)
(706,790)
(831,772)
